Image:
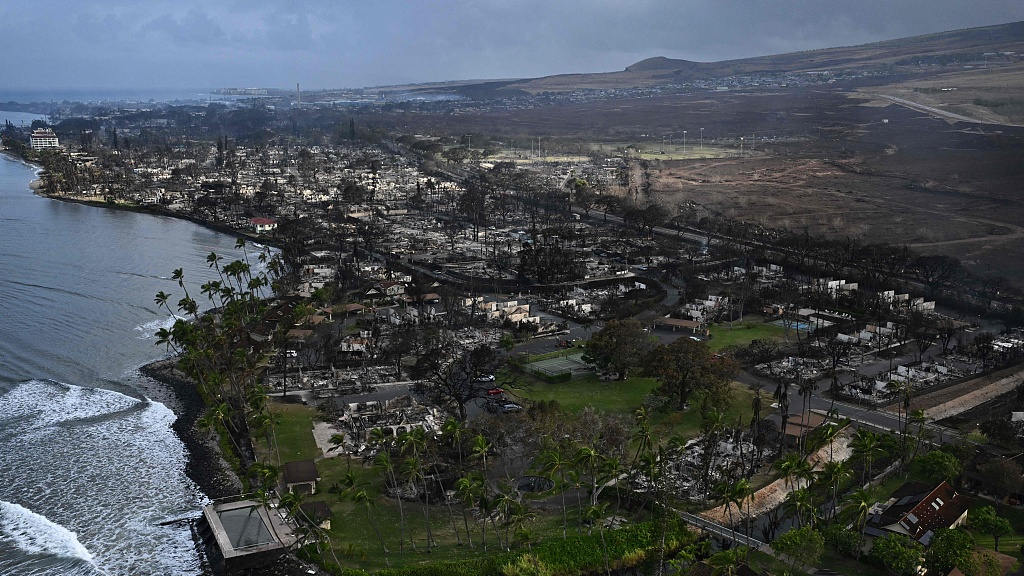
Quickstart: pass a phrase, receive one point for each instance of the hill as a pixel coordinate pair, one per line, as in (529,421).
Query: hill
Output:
(930,53)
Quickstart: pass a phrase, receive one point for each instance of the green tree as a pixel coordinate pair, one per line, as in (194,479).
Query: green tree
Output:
(940,466)
(685,367)
(950,548)
(1002,476)
(986,520)
(899,554)
(619,346)
(803,545)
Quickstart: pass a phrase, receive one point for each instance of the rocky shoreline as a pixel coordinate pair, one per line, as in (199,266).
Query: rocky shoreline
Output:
(206,465)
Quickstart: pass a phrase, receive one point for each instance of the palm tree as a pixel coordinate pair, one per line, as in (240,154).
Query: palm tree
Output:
(793,468)
(555,467)
(729,494)
(867,446)
(596,514)
(363,499)
(412,470)
(384,462)
(468,489)
(900,390)
(806,389)
(801,503)
(835,473)
(744,492)
(455,429)
(481,447)
(588,458)
(861,500)
(781,395)
(917,417)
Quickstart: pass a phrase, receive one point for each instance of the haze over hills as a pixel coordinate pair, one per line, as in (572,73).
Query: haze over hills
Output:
(958,47)
(918,54)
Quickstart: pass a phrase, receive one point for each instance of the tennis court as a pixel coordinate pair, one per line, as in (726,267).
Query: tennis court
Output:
(573,364)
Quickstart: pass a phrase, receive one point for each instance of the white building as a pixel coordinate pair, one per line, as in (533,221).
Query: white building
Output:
(43,138)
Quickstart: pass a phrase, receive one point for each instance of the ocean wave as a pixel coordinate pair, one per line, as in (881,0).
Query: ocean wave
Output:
(149,329)
(30,405)
(36,534)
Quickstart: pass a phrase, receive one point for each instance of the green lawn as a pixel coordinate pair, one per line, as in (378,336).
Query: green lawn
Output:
(293,424)
(609,396)
(687,423)
(741,334)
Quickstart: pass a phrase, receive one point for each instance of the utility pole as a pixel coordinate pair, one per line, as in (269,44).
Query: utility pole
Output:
(702,139)
(684,142)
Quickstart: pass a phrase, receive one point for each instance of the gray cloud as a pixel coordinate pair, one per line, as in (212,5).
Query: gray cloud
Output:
(335,44)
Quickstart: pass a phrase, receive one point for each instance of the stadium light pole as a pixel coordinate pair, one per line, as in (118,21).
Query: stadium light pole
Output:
(684,142)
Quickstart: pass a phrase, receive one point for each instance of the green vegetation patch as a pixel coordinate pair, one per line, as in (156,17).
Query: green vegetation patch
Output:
(617,396)
(743,333)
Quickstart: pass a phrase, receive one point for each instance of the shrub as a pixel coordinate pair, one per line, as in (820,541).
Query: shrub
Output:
(842,540)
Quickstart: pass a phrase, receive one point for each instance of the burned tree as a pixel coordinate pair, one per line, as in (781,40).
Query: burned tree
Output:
(455,377)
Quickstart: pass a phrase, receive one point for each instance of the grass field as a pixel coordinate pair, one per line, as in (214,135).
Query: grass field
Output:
(609,396)
(742,333)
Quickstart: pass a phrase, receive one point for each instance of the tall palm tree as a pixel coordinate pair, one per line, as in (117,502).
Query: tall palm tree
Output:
(587,458)
(801,503)
(744,492)
(596,514)
(861,500)
(781,396)
(900,390)
(834,474)
(454,430)
(806,389)
(469,488)
(917,417)
(867,446)
(361,498)
(384,462)
(481,447)
(793,468)
(412,470)
(555,466)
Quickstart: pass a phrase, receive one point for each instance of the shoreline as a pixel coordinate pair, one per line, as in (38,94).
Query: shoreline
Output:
(205,465)
(37,188)
(154,210)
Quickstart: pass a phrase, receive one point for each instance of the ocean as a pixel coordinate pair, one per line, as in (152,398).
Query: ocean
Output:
(93,477)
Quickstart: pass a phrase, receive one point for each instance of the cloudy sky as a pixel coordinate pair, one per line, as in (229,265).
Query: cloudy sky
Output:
(47,44)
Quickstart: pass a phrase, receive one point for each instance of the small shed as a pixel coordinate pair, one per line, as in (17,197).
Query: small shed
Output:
(301,476)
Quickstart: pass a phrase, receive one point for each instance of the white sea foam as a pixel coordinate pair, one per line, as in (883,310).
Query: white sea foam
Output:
(59,428)
(149,329)
(36,534)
